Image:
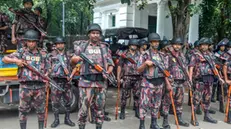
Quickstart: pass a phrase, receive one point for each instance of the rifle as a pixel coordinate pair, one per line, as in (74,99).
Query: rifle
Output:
(227,105)
(98,68)
(28,21)
(127,58)
(187,78)
(39,73)
(47,102)
(164,71)
(63,64)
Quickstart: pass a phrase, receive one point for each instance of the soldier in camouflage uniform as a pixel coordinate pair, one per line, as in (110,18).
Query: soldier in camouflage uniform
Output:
(220,59)
(59,59)
(153,81)
(41,20)
(130,76)
(227,75)
(179,82)
(32,86)
(201,70)
(20,26)
(4,25)
(92,84)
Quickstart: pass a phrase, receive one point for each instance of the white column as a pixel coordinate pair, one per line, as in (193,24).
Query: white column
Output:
(194,26)
(161,17)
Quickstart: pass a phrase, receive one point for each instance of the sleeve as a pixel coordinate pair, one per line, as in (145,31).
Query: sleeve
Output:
(192,62)
(109,58)
(16,19)
(143,58)
(17,54)
(77,48)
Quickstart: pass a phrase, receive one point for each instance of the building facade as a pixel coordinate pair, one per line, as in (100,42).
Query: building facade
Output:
(155,17)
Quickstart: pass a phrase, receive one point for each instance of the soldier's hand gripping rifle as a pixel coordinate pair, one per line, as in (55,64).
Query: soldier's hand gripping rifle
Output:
(39,73)
(98,68)
(185,71)
(75,71)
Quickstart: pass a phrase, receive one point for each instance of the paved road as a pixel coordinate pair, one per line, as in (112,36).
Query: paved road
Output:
(9,118)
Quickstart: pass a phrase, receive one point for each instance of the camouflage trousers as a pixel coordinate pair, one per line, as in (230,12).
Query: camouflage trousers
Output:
(202,91)
(88,97)
(66,96)
(150,98)
(29,98)
(178,96)
(131,83)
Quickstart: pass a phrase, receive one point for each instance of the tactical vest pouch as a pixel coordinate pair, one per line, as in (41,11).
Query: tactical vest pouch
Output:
(93,77)
(156,81)
(208,78)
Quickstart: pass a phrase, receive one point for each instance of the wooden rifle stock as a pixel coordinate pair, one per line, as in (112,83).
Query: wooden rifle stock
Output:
(117,100)
(174,109)
(227,105)
(47,102)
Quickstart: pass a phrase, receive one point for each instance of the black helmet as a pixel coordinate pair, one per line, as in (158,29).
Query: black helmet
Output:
(24,1)
(39,9)
(94,27)
(165,42)
(223,42)
(31,35)
(204,40)
(143,42)
(133,42)
(59,39)
(178,40)
(196,43)
(153,36)
(229,44)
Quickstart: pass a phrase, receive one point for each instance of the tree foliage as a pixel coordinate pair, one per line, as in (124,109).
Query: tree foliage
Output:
(215,20)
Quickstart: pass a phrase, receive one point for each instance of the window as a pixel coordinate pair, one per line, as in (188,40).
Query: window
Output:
(152,24)
(112,20)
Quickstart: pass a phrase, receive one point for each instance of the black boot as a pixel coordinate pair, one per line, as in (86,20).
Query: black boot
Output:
(211,111)
(221,105)
(195,120)
(41,124)
(154,124)
(165,122)
(122,113)
(142,126)
(199,111)
(229,118)
(107,118)
(181,121)
(106,113)
(137,113)
(81,126)
(98,126)
(56,121)
(23,124)
(67,120)
(208,118)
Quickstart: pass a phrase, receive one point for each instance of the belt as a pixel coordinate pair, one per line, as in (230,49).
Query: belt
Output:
(33,82)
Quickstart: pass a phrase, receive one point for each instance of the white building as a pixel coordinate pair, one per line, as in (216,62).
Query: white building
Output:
(155,17)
